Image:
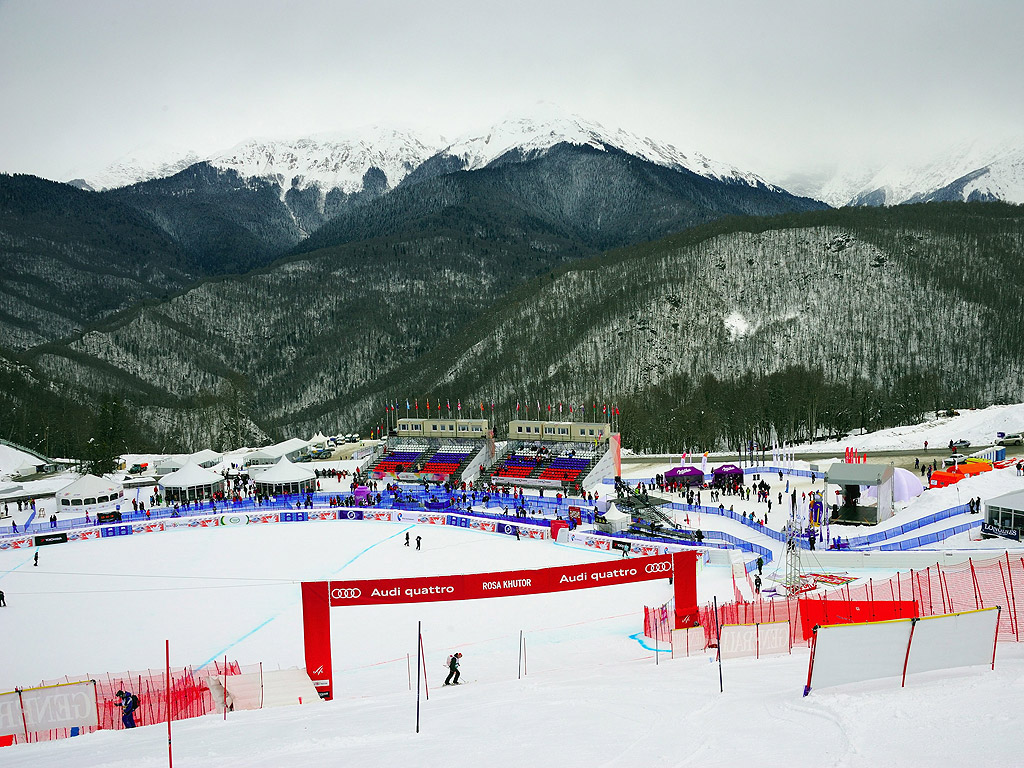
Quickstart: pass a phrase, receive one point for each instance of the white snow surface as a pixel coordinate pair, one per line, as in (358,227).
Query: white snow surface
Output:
(592,695)
(977,425)
(549,125)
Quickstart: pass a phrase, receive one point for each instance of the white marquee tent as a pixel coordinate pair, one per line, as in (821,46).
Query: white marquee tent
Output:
(89,493)
(285,477)
(191,482)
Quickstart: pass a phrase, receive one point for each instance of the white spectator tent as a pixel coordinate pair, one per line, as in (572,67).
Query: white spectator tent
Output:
(191,482)
(169,464)
(616,520)
(25,469)
(291,449)
(285,477)
(319,440)
(205,458)
(89,493)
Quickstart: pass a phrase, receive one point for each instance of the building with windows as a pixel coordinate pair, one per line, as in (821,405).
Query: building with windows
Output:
(1006,512)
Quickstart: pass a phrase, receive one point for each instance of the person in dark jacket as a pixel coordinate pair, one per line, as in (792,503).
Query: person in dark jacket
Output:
(453,669)
(128,704)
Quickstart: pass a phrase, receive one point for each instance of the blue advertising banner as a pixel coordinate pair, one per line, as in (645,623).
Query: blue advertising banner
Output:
(116,530)
(294,517)
(350,514)
(998,530)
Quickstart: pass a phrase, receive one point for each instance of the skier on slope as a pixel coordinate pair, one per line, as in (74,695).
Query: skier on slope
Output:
(453,669)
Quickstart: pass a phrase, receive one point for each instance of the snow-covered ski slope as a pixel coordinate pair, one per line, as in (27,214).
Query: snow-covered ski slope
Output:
(592,695)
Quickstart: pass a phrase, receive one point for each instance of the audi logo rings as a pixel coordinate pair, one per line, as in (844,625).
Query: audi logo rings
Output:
(658,567)
(346,594)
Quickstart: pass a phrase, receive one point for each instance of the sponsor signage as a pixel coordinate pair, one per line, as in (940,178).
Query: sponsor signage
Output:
(44,709)
(51,538)
(473,586)
(108,517)
(319,596)
(988,529)
(116,530)
(294,517)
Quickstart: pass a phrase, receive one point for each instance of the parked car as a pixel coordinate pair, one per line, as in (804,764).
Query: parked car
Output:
(960,444)
(1012,438)
(956,458)
(136,469)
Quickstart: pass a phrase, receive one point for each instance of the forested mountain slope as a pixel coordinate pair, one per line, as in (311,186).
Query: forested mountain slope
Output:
(822,319)
(71,257)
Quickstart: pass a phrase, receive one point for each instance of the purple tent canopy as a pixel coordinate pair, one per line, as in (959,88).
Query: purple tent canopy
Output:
(685,473)
(727,469)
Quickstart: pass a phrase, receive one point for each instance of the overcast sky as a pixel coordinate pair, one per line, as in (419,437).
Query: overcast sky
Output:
(775,87)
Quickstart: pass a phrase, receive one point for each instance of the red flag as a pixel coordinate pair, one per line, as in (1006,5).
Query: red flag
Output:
(517,406)
(417,405)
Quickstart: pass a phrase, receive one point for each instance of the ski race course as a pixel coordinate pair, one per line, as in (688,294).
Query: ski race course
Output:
(562,678)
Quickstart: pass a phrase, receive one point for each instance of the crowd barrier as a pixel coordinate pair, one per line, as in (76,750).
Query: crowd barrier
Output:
(189,697)
(534,529)
(937,590)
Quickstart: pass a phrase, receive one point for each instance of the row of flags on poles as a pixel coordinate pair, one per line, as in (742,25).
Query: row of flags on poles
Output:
(603,408)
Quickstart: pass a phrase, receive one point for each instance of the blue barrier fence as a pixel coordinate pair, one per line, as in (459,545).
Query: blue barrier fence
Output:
(913,525)
(410,498)
(931,538)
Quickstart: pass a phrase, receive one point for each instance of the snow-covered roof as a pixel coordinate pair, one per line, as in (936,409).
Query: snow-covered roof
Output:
(90,485)
(1014,500)
(190,476)
(205,455)
(285,472)
(279,449)
(172,462)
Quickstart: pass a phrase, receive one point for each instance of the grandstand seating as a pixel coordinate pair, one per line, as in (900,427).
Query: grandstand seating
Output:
(445,462)
(565,468)
(391,460)
(516,466)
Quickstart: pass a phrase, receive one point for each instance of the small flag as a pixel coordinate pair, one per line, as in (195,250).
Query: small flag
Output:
(417,405)
(460,405)
(407,405)
(517,406)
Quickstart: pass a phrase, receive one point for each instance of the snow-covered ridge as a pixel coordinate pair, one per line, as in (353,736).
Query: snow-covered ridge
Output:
(538,133)
(968,171)
(340,160)
(141,164)
(330,161)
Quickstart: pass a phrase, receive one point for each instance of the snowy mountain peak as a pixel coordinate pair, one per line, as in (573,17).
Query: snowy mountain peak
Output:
(140,164)
(330,161)
(548,126)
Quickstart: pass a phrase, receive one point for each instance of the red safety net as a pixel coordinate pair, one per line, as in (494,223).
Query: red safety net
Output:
(936,590)
(189,697)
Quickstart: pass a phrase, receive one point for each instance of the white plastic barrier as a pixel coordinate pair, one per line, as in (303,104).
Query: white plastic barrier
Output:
(850,653)
(954,640)
(755,640)
(65,705)
(687,642)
